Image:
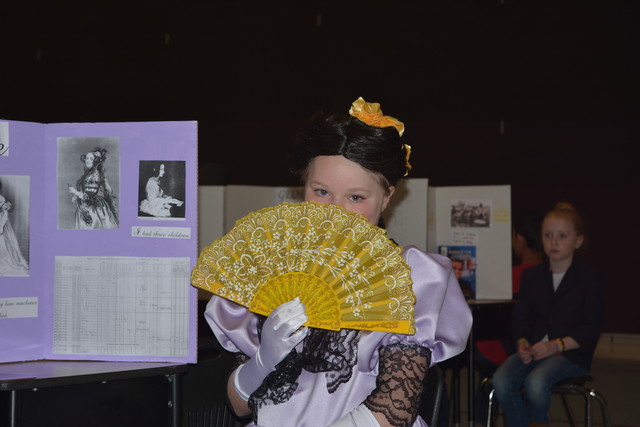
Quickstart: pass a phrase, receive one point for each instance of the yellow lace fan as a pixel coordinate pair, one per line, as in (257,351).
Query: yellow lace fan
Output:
(347,272)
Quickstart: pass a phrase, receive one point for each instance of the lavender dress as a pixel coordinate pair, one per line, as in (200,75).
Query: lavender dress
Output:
(317,396)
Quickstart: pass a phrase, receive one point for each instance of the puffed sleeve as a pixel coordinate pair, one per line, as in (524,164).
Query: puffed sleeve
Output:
(235,327)
(442,315)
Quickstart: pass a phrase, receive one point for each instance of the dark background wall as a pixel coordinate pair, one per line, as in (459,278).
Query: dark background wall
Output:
(541,95)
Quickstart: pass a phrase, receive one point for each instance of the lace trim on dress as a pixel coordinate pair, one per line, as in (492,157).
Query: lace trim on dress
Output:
(333,352)
(399,385)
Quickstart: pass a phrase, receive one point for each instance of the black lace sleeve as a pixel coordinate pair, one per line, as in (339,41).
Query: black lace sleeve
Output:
(398,391)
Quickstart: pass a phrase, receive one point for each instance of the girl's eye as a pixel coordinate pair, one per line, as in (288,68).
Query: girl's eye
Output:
(356,198)
(321,192)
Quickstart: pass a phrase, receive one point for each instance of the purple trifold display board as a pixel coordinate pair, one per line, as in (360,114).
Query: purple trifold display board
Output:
(98,236)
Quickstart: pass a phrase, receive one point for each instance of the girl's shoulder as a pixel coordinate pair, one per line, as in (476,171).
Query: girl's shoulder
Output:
(427,269)
(585,272)
(414,255)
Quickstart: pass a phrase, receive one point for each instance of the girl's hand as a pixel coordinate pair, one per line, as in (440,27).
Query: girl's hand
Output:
(281,333)
(543,349)
(524,351)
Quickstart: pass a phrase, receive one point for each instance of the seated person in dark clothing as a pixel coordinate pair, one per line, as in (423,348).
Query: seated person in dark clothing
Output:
(556,323)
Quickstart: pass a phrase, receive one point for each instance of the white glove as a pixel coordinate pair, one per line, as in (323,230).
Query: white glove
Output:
(359,417)
(280,335)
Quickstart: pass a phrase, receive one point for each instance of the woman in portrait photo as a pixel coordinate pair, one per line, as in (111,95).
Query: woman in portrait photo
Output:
(157,203)
(12,262)
(92,195)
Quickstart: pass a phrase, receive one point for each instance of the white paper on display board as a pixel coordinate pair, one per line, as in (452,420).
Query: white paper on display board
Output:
(121,306)
(12,308)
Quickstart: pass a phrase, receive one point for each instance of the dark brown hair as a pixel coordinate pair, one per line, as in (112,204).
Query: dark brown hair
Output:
(378,150)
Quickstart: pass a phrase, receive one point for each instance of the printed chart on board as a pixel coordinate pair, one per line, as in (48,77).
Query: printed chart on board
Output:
(121,306)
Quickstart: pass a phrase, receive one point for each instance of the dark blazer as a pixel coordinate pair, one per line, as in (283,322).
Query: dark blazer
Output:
(576,309)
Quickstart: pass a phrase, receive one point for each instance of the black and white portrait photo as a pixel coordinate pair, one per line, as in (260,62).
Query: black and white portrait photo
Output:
(14,225)
(88,183)
(471,213)
(161,189)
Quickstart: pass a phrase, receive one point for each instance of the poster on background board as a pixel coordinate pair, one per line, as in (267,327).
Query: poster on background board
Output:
(479,217)
(463,263)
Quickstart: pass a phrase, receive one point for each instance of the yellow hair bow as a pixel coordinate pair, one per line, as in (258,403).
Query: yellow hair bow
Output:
(371,114)
(407,165)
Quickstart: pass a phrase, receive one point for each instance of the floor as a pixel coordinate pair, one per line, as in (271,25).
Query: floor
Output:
(618,380)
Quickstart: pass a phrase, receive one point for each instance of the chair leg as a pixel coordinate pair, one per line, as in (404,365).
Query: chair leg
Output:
(490,409)
(487,394)
(587,411)
(604,408)
(567,410)
(587,394)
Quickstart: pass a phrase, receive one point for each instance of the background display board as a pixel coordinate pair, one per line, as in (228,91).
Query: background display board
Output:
(474,217)
(99,236)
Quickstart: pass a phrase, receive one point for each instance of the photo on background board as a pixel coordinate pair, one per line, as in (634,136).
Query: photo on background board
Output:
(161,189)
(14,225)
(88,180)
(471,213)
(464,264)
(4,138)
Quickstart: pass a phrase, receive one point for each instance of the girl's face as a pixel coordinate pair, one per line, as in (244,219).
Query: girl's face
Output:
(337,181)
(559,238)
